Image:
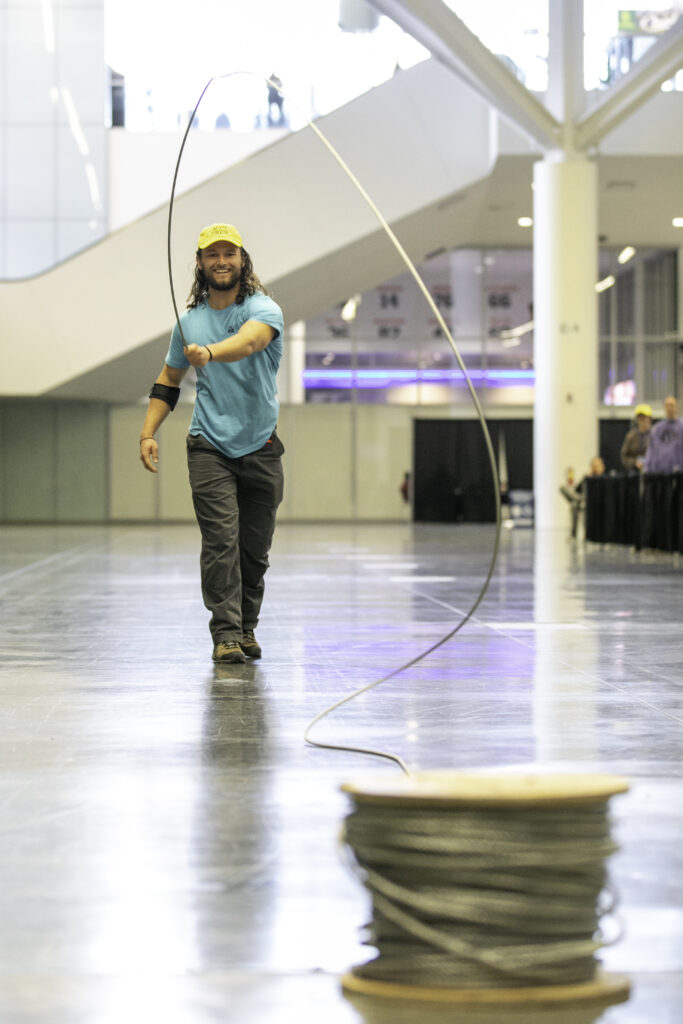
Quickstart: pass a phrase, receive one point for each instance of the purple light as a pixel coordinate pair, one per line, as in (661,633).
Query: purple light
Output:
(328,378)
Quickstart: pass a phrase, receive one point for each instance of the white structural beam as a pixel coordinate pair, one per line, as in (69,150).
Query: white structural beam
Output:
(437,28)
(661,62)
(565,96)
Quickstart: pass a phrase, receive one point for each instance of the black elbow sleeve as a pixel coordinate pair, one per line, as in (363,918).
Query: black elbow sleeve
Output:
(166,394)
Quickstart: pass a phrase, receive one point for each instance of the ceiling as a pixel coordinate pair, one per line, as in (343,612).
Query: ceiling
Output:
(638,196)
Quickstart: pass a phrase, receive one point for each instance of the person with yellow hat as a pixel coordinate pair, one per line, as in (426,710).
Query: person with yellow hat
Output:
(231,333)
(636,441)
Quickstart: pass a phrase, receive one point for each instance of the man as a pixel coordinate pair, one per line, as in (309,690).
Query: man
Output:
(637,439)
(275,99)
(665,450)
(232,335)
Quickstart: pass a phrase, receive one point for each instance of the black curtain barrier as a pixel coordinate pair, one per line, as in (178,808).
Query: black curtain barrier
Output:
(639,511)
(451,473)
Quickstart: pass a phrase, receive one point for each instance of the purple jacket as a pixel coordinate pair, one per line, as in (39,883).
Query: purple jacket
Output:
(665,450)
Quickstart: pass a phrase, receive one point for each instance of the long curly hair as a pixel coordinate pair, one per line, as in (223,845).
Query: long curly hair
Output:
(249,283)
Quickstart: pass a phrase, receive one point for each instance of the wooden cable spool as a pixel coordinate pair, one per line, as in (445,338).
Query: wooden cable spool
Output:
(455,794)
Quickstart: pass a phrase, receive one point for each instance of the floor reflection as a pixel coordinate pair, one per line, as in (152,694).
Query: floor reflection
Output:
(169,848)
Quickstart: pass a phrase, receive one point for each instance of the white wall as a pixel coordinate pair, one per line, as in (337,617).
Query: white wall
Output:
(52,134)
(141,165)
(134,492)
(339,460)
(318,463)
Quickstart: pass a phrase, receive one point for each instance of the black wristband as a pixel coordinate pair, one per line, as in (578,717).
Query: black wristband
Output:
(166,394)
(209,351)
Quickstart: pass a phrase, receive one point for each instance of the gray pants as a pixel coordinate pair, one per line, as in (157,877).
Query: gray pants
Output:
(235,501)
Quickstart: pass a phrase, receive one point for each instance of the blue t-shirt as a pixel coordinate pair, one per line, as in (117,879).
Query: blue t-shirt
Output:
(236,408)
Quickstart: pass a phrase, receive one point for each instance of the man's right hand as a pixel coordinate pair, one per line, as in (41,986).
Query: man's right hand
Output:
(149,454)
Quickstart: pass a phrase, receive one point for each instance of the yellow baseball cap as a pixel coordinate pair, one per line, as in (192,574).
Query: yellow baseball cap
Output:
(219,233)
(643,410)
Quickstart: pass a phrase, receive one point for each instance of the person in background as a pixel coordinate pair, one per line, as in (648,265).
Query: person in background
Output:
(275,99)
(665,449)
(576,495)
(636,441)
(597,467)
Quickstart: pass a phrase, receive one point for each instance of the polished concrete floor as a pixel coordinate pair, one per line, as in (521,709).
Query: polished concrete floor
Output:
(169,843)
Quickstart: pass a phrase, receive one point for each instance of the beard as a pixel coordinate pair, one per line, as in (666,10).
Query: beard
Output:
(224,282)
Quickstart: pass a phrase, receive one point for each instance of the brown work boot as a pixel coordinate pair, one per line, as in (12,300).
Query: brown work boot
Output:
(228,651)
(250,644)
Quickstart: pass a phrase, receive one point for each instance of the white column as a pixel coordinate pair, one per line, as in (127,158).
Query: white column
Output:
(639,329)
(291,389)
(565,327)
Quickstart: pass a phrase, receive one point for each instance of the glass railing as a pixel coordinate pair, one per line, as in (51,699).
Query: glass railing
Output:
(517,33)
(321,65)
(615,38)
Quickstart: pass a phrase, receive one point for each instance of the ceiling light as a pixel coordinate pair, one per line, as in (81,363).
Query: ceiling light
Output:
(350,309)
(606,283)
(91,175)
(626,254)
(525,222)
(516,332)
(74,122)
(677,222)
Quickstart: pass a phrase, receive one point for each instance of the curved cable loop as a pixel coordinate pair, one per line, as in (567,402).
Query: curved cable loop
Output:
(473,394)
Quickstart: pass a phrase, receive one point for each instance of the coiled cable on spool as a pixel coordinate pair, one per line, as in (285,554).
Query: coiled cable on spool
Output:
(484,884)
(473,394)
